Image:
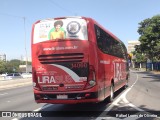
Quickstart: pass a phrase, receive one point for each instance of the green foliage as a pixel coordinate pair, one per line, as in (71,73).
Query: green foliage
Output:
(11,66)
(2,67)
(139,57)
(149,29)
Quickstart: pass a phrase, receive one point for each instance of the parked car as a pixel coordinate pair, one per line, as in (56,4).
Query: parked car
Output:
(3,75)
(26,75)
(13,76)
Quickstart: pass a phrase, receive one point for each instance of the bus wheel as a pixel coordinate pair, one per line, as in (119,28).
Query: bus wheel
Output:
(112,93)
(127,80)
(126,85)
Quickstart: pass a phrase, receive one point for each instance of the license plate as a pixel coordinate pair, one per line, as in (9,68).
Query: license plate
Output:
(49,88)
(62,96)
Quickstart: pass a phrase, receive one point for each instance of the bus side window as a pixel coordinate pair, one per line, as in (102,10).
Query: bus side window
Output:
(108,45)
(102,40)
(98,37)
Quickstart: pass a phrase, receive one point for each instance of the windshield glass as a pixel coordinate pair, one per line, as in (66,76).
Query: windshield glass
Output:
(70,28)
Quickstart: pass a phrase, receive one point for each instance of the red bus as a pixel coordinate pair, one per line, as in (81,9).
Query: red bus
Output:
(76,60)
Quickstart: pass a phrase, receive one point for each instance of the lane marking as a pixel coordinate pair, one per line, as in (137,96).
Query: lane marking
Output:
(125,93)
(15,119)
(6,87)
(4,94)
(44,107)
(123,98)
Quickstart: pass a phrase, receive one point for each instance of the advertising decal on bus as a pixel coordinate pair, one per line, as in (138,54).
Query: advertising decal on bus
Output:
(60,29)
(66,73)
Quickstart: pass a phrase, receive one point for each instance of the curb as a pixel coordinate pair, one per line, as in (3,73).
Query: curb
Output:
(152,72)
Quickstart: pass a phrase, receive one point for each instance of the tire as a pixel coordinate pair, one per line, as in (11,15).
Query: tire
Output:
(126,85)
(111,98)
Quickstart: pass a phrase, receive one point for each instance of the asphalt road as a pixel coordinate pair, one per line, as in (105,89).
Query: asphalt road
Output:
(146,92)
(18,99)
(141,95)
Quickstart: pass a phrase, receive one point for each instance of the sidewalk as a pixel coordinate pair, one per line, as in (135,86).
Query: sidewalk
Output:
(7,84)
(155,72)
(144,70)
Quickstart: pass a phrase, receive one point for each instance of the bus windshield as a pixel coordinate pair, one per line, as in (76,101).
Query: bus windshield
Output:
(68,28)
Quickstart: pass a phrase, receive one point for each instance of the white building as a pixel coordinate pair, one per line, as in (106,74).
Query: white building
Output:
(24,58)
(3,57)
(131,45)
(24,69)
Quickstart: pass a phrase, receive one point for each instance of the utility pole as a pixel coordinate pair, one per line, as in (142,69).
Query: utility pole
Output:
(25,44)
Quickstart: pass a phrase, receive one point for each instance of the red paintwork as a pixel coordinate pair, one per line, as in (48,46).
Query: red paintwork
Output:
(105,72)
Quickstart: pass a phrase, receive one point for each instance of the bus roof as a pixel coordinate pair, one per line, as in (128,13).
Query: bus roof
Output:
(61,18)
(81,17)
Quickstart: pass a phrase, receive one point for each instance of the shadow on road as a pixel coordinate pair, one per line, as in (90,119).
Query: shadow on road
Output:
(149,75)
(85,111)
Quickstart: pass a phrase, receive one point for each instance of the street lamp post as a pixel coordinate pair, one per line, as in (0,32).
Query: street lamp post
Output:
(25,44)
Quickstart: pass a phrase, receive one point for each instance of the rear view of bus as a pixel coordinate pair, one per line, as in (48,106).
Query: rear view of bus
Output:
(60,61)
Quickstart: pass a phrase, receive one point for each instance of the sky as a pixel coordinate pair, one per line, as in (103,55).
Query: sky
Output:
(121,17)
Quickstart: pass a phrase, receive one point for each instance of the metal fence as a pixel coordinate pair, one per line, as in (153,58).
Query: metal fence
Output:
(148,66)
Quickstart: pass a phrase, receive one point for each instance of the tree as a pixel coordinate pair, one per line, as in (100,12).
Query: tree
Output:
(11,66)
(2,67)
(149,31)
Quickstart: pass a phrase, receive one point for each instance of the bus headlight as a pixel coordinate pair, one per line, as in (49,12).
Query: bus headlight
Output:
(91,78)
(92,82)
(34,84)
